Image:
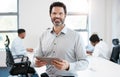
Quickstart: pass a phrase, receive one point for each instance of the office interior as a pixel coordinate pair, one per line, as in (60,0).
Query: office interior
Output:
(103,19)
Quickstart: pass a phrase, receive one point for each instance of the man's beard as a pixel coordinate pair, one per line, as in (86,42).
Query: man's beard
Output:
(23,37)
(57,23)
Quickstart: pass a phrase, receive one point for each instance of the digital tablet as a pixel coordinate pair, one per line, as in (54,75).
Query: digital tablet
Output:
(48,59)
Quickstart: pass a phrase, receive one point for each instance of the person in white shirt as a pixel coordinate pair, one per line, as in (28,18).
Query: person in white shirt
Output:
(17,47)
(101,49)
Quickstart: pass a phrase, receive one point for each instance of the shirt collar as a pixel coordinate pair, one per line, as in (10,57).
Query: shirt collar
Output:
(19,38)
(63,31)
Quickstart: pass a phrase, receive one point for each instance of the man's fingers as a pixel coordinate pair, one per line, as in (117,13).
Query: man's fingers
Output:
(39,63)
(57,62)
(60,64)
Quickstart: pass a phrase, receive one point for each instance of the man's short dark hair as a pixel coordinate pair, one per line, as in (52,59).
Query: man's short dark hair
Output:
(94,38)
(21,31)
(57,4)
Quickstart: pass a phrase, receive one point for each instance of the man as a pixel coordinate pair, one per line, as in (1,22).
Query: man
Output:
(101,49)
(63,43)
(17,47)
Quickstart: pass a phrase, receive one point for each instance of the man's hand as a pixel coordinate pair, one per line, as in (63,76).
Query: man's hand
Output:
(39,63)
(61,65)
(29,49)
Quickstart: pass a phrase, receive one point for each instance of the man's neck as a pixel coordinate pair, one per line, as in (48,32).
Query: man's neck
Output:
(57,29)
(97,42)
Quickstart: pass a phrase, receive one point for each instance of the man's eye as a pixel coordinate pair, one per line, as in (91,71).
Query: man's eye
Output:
(61,13)
(54,13)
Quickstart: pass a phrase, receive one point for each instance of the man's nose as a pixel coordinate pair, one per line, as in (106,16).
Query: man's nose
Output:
(57,15)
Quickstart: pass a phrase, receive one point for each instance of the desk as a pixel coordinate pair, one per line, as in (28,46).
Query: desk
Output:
(98,67)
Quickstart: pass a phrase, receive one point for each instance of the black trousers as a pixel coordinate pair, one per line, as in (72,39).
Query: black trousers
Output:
(46,75)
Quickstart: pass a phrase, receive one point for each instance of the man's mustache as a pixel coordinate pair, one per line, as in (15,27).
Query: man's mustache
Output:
(57,18)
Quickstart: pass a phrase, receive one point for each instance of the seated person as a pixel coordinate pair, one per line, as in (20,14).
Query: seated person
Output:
(17,47)
(101,49)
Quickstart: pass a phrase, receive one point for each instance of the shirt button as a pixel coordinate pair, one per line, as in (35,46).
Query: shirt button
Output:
(54,43)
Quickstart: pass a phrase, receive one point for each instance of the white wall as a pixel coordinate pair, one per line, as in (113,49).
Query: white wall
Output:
(116,19)
(108,35)
(97,16)
(100,19)
(34,17)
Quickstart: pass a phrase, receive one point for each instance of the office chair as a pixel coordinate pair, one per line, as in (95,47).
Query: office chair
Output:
(46,75)
(115,54)
(116,51)
(17,68)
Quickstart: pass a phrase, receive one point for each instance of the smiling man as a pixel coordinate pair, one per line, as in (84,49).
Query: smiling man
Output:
(63,43)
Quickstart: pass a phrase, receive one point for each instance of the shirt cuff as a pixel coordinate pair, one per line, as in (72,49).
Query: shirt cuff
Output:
(72,67)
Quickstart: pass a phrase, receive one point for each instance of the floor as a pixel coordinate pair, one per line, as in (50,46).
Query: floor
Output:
(4,72)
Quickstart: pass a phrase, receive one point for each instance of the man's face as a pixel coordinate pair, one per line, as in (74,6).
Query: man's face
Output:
(93,43)
(22,35)
(58,16)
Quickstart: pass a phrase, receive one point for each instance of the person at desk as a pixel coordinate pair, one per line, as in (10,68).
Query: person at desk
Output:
(101,49)
(17,47)
(63,43)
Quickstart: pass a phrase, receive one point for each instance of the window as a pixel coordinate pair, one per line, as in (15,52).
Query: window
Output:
(8,20)
(77,17)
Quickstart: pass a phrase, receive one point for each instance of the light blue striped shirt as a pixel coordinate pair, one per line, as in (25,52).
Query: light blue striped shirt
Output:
(17,47)
(68,45)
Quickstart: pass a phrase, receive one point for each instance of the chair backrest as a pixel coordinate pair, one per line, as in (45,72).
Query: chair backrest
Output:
(9,57)
(7,41)
(115,41)
(115,54)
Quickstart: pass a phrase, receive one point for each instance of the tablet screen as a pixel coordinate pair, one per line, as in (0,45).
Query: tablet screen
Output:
(48,59)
